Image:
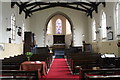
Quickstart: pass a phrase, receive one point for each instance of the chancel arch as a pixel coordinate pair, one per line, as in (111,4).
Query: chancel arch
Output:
(59,30)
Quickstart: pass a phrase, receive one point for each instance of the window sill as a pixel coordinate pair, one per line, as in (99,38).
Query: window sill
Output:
(94,40)
(104,38)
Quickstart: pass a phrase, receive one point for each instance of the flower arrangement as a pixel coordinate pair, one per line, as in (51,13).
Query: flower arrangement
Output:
(28,55)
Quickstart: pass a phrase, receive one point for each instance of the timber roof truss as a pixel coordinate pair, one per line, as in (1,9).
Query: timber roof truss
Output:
(31,6)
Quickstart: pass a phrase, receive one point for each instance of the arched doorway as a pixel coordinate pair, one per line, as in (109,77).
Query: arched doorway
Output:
(59,30)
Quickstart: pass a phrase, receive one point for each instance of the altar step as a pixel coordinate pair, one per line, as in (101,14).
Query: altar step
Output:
(59,56)
(59,53)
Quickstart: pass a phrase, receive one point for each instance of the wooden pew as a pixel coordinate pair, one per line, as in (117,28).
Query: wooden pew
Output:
(110,62)
(100,74)
(84,64)
(85,61)
(41,50)
(18,75)
(73,50)
(13,63)
(42,57)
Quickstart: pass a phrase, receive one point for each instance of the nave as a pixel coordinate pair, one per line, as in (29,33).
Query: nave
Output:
(60,71)
(89,33)
(75,65)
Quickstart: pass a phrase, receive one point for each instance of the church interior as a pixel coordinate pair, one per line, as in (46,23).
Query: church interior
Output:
(59,39)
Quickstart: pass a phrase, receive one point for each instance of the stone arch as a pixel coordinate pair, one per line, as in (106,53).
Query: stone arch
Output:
(59,13)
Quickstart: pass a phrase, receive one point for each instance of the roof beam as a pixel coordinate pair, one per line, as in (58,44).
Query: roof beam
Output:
(56,5)
(76,8)
(22,6)
(90,12)
(62,4)
(26,12)
(34,3)
(69,3)
(83,6)
(104,4)
(13,4)
(30,7)
(46,7)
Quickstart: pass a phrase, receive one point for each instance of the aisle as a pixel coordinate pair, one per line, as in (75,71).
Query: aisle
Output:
(59,53)
(60,71)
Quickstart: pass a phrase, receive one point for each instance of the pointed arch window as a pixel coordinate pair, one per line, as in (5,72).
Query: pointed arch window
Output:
(94,30)
(103,25)
(117,18)
(23,30)
(49,27)
(13,26)
(58,26)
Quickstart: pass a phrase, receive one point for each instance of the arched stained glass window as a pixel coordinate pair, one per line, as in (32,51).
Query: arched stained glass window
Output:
(103,24)
(58,26)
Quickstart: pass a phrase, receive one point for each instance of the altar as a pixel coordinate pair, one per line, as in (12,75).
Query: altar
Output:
(59,46)
(59,41)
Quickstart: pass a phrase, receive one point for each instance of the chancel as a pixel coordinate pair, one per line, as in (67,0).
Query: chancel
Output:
(63,39)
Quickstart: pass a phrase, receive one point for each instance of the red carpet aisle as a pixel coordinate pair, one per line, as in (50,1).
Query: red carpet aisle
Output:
(60,71)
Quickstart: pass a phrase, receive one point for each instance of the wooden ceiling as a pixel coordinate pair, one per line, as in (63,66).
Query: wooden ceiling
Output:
(31,6)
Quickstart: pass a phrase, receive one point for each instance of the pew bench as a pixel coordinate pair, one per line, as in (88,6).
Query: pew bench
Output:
(102,77)
(18,75)
(100,74)
(84,64)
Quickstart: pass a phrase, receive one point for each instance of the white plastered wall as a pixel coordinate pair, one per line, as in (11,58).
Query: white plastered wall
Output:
(99,45)
(79,21)
(16,47)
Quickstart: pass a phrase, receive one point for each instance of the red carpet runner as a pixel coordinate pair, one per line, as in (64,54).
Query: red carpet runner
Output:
(60,71)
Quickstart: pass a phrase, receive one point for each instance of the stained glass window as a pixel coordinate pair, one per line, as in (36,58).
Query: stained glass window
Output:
(58,26)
